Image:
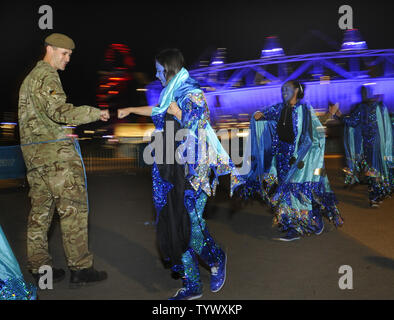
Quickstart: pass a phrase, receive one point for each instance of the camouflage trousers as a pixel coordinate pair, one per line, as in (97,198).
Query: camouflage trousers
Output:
(60,185)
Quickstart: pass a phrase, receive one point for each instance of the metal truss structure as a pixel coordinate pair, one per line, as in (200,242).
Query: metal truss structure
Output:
(236,90)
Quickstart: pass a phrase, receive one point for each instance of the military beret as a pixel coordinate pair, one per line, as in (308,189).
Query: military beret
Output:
(60,40)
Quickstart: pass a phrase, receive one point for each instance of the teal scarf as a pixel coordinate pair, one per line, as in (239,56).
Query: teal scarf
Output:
(167,94)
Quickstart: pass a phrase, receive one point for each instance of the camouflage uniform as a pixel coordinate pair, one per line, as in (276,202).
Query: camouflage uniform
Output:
(54,168)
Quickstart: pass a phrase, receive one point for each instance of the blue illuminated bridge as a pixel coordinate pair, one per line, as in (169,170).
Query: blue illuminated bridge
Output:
(236,90)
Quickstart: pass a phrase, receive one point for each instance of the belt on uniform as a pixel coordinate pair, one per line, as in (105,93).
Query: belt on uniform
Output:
(77,148)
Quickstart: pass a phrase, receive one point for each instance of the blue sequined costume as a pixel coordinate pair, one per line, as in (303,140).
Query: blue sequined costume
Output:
(197,172)
(368,140)
(291,177)
(12,283)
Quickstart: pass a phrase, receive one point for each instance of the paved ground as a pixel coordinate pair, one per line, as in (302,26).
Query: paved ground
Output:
(123,241)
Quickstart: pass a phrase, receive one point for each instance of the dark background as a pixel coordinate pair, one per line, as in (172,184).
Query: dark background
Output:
(193,27)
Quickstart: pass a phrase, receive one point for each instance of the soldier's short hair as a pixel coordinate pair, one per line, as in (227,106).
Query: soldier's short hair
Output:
(47,44)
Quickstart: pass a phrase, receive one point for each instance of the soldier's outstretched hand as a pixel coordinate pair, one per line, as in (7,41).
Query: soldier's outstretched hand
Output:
(104,115)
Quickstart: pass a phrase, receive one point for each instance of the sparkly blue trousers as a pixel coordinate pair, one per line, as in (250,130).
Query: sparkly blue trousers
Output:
(201,244)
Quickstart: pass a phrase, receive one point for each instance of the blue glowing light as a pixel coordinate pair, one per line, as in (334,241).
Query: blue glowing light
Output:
(271,48)
(352,45)
(271,52)
(352,40)
(249,100)
(241,94)
(218,57)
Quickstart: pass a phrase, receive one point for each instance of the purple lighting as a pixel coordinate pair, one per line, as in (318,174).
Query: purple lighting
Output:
(354,45)
(272,48)
(353,41)
(345,92)
(253,85)
(218,57)
(268,52)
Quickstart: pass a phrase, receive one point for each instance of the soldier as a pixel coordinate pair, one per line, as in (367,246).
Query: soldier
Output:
(55,170)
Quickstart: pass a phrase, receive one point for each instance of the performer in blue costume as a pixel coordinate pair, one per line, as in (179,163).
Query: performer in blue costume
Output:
(368,140)
(181,188)
(12,283)
(286,159)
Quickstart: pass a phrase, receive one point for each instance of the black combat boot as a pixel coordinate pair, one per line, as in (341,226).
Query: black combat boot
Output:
(57,274)
(87,276)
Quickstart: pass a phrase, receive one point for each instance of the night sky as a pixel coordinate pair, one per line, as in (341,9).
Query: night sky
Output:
(193,27)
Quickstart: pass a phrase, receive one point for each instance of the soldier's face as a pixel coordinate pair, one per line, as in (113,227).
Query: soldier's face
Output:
(60,58)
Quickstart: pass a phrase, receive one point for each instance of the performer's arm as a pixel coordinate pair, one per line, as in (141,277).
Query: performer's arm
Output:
(58,110)
(268,114)
(175,110)
(142,111)
(353,119)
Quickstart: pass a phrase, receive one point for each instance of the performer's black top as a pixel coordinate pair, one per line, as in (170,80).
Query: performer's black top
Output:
(285,124)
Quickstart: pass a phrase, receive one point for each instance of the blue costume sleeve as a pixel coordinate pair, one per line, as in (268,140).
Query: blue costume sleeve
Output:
(311,151)
(353,151)
(353,144)
(383,160)
(194,110)
(12,284)
(272,113)
(355,117)
(9,267)
(388,147)
(209,152)
(258,159)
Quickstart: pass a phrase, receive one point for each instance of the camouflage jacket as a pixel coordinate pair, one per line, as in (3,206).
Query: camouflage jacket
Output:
(43,115)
